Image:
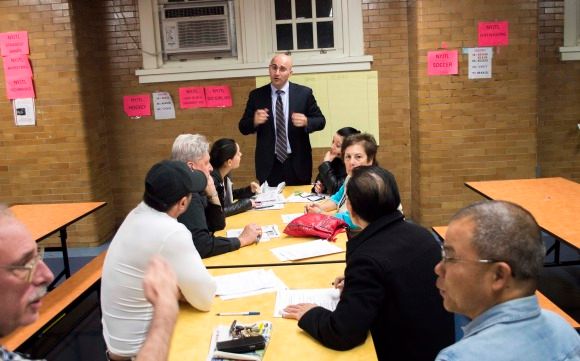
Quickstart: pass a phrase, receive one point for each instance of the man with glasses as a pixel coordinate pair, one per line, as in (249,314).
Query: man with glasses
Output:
(283,114)
(24,278)
(491,261)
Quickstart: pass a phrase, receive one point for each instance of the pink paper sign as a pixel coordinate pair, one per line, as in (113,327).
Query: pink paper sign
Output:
(17,66)
(18,88)
(218,96)
(191,97)
(137,105)
(492,33)
(442,62)
(14,43)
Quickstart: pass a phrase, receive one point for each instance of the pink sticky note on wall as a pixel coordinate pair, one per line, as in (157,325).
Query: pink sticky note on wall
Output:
(137,105)
(17,88)
(17,66)
(14,43)
(218,96)
(492,33)
(442,62)
(192,97)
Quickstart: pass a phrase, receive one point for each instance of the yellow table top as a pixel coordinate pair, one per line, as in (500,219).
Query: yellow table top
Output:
(260,254)
(554,202)
(42,220)
(192,335)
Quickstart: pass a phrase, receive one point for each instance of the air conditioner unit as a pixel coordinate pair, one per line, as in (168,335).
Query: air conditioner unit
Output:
(197,26)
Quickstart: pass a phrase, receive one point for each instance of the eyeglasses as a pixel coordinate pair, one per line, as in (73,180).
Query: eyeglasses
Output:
(447,259)
(25,272)
(275,67)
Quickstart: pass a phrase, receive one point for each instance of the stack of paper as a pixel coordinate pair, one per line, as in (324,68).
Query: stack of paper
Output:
(323,297)
(319,247)
(248,283)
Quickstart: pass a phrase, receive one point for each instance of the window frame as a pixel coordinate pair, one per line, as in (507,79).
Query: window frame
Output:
(571,48)
(253,56)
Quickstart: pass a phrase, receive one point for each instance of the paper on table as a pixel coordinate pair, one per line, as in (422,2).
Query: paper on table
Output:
(324,297)
(287,218)
(243,284)
(304,197)
(268,232)
(319,247)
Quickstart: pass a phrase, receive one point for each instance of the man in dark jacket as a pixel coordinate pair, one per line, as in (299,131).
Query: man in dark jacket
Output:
(388,285)
(283,114)
(205,214)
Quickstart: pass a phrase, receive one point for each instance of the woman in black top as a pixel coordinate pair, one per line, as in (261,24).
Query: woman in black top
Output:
(225,155)
(331,172)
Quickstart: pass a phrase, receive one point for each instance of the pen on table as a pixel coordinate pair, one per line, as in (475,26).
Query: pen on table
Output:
(266,206)
(248,313)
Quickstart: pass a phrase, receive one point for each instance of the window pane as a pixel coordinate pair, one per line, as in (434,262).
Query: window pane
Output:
(283,9)
(325,34)
(323,8)
(303,9)
(304,35)
(284,37)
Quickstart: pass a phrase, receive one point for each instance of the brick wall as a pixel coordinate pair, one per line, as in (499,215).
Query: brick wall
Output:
(471,129)
(436,132)
(54,161)
(558,98)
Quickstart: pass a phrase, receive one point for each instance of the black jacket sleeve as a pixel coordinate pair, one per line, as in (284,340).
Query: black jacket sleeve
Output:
(332,175)
(360,301)
(205,242)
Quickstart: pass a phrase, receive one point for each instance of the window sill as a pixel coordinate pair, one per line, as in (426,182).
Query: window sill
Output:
(196,71)
(568,53)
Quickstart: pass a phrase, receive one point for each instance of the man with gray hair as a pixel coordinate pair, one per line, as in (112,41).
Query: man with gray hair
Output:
(205,214)
(491,262)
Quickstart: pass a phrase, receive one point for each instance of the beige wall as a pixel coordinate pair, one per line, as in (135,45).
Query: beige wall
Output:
(436,132)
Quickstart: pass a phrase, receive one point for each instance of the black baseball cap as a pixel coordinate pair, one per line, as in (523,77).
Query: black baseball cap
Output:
(170,180)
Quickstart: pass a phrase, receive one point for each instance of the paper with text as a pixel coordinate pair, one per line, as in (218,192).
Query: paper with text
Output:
(268,232)
(323,297)
(287,218)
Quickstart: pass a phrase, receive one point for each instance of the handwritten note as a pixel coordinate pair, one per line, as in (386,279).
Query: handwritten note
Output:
(442,62)
(218,96)
(17,88)
(137,105)
(192,97)
(492,33)
(14,43)
(324,297)
(17,66)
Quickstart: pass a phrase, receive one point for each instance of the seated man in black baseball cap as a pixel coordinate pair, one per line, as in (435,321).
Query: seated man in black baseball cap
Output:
(152,229)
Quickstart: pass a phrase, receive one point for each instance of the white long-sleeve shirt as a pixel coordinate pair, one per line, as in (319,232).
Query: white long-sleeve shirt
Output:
(126,312)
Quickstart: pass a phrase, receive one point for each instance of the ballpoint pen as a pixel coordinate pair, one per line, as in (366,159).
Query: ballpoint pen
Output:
(247,313)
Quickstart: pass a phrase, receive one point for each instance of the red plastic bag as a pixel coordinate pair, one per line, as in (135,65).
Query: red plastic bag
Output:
(316,224)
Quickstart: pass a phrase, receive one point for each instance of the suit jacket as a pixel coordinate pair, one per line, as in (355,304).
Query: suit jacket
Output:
(389,289)
(301,100)
(202,218)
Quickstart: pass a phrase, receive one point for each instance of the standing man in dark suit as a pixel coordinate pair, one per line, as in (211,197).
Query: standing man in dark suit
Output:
(283,114)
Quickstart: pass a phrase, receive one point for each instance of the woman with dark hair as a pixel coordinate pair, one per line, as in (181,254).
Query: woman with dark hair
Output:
(388,285)
(357,150)
(331,172)
(225,155)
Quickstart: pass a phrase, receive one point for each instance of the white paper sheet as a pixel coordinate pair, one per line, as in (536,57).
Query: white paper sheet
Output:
(268,232)
(324,297)
(304,197)
(319,247)
(287,218)
(248,283)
